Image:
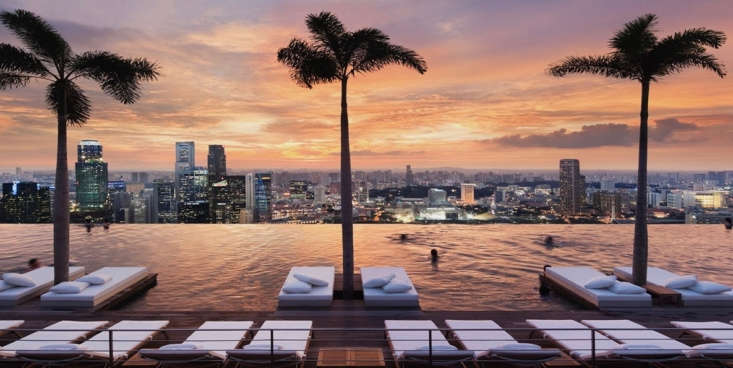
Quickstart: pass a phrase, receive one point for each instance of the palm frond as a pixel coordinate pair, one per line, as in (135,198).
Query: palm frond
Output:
(327,30)
(684,61)
(309,65)
(695,36)
(16,60)
(39,36)
(636,38)
(376,54)
(13,80)
(117,76)
(78,106)
(687,49)
(605,65)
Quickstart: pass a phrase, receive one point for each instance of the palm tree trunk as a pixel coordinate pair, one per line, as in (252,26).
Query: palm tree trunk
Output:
(641,238)
(347,226)
(61,204)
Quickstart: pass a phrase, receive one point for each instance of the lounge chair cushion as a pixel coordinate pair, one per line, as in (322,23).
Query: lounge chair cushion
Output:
(600,282)
(379,282)
(310,279)
(263,347)
(188,346)
(709,287)
(62,347)
(438,347)
(98,278)
(297,287)
(70,287)
(396,287)
(17,279)
(681,282)
(519,346)
(620,287)
(716,331)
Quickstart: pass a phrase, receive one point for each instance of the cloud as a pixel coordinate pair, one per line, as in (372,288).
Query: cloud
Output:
(599,135)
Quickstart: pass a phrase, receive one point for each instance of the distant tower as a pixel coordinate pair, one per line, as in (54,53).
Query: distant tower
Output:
(18,172)
(467,193)
(572,186)
(91,176)
(409,177)
(185,158)
(217,161)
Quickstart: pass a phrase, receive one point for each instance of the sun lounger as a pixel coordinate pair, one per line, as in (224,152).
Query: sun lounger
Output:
(574,279)
(712,331)
(575,338)
(127,337)
(377,297)
(208,343)
(63,332)
(43,277)
(653,344)
(276,343)
(7,327)
(318,296)
(95,295)
(421,343)
(487,340)
(690,298)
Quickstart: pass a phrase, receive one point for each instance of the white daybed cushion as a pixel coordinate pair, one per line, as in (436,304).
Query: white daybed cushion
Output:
(315,281)
(379,282)
(17,279)
(297,287)
(403,340)
(708,330)
(680,282)
(709,288)
(288,335)
(49,336)
(575,277)
(491,336)
(640,335)
(394,287)
(69,287)
(659,276)
(377,296)
(122,277)
(600,282)
(576,340)
(622,287)
(43,277)
(123,339)
(97,278)
(318,294)
(218,342)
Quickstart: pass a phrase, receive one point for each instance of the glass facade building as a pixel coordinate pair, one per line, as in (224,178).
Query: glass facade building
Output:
(91,177)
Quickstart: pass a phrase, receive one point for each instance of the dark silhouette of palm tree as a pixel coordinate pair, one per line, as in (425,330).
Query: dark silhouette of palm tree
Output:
(49,57)
(637,54)
(335,55)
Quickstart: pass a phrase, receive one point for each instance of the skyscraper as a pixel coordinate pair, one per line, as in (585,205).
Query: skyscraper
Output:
(409,177)
(185,158)
(467,193)
(319,195)
(164,203)
(25,202)
(572,187)
(259,196)
(227,199)
(91,176)
(217,161)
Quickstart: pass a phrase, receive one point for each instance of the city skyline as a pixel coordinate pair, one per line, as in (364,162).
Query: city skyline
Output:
(479,106)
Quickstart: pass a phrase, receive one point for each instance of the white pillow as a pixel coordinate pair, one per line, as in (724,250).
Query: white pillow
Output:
(600,282)
(518,346)
(70,287)
(187,346)
(297,287)
(680,282)
(262,347)
(62,347)
(310,280)
(17,279)
(438,347)
(5,286)
(709,287)
(95,279)
(395,287)
(621,287)
(378,282)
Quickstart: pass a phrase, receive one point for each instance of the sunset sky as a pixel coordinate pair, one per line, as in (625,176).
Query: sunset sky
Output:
(485,102)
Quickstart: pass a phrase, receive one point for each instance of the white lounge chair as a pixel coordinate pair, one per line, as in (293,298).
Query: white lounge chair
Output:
(420,342)
(7,327)
(660,277)
(127,337)
(573,279)
(487,340)
(95,295)
(208,343)
(653,345)
(714,331)
(276,343)
(63,332)
(43,277)
(377,297)
(319,296)
(575,338)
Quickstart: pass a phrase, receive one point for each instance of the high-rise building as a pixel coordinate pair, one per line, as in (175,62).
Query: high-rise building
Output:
(259,196)
(298,189)
(185,158)
(437,197)
(135,177)
(319,195)
(607,203)
(217,161)
(91,176)
(362,191)
(164,203)
(19,172)
(467,193)
(144,177)
(572,187)
(25,202)
(193,186)
(409,176)
(227,199)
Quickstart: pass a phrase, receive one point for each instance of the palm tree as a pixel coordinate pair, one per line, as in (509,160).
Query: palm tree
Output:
(637,54)
(49,57)
(335,55)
